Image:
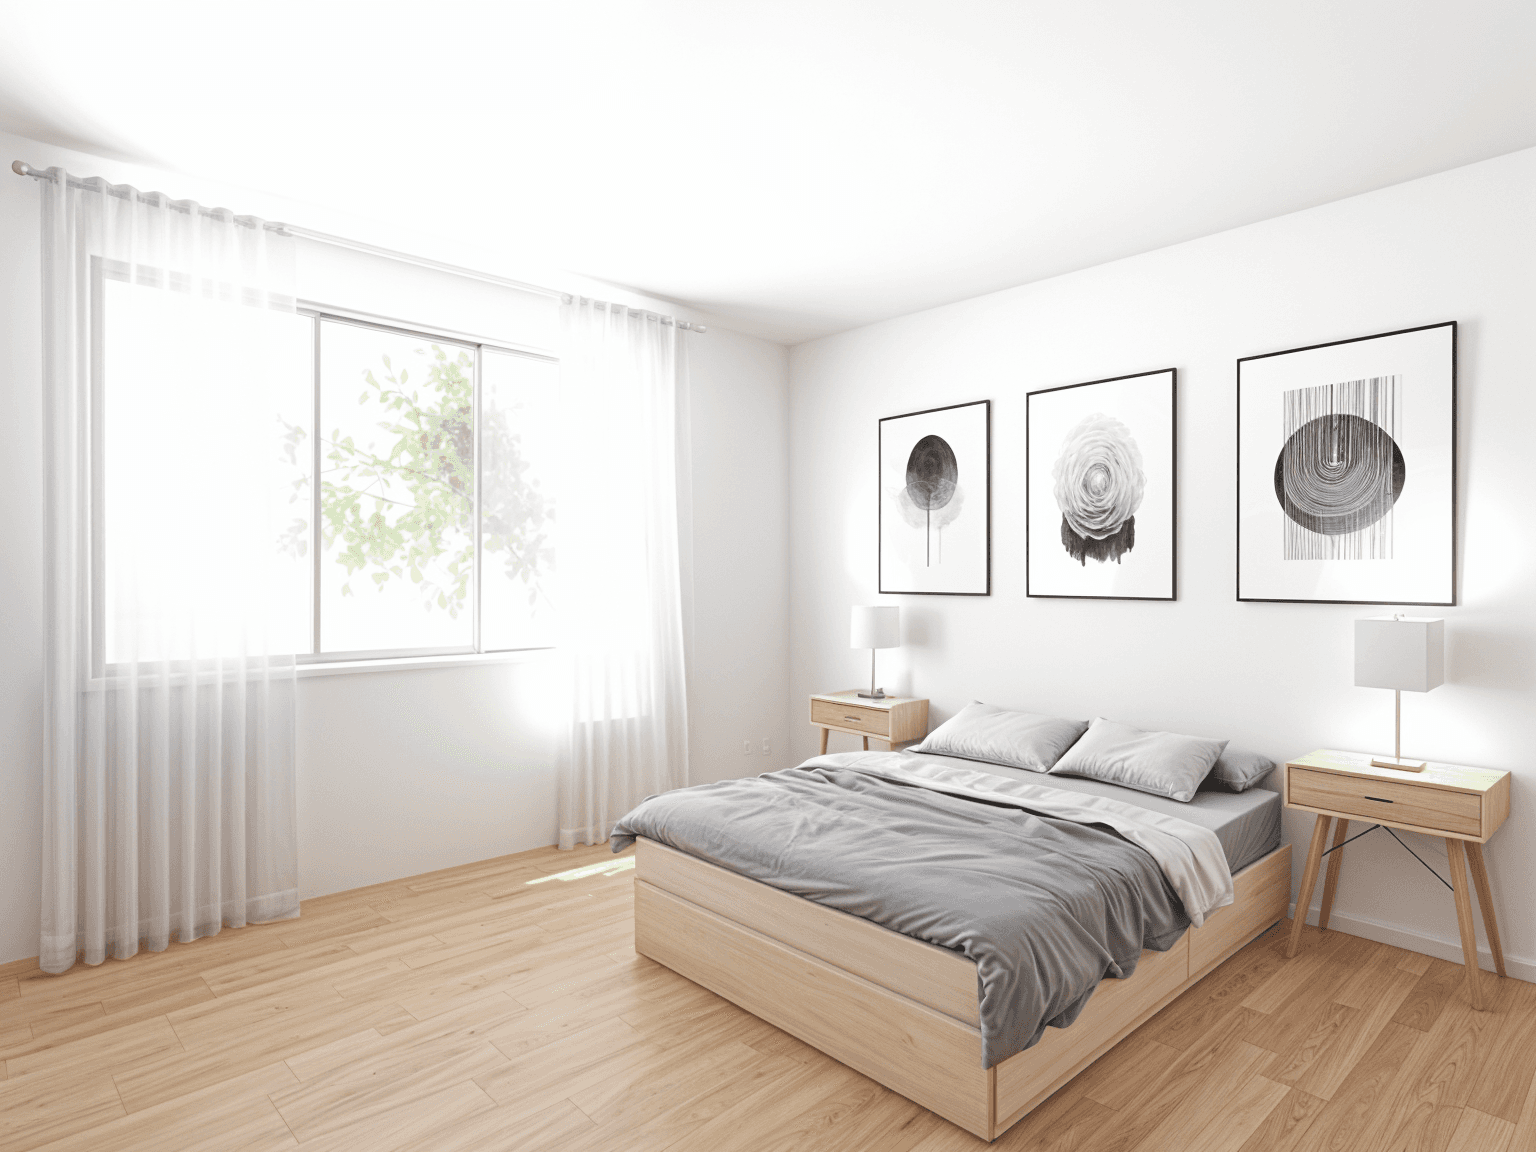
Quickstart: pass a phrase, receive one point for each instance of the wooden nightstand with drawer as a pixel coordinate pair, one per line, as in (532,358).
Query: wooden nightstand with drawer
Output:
(1465,806)
(892,719)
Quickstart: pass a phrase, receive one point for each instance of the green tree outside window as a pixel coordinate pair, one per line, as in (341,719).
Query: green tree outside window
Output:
(405,510)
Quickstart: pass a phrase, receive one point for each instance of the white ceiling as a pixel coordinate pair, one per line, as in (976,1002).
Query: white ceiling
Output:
(796,168)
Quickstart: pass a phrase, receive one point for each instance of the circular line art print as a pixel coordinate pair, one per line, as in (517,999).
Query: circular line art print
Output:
(1339,474)
(1340,471)
(1346,478)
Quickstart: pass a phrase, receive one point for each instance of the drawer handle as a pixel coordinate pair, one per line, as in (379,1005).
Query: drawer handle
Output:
(855,719)
(1379,800)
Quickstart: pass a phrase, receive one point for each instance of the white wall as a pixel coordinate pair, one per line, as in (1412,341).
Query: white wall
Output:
(739,677)
(405,772)
(401,772)
(1278,677)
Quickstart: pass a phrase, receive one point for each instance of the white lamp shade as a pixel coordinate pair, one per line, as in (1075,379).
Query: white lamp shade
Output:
(1406,653)
(875,627)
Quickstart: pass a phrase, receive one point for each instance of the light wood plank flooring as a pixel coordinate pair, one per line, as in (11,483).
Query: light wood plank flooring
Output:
(501,1006)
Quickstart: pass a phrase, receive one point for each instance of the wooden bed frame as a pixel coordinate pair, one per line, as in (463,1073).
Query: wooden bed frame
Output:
(899,1010)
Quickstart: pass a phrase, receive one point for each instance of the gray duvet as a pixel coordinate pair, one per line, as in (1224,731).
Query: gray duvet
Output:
(1045,906)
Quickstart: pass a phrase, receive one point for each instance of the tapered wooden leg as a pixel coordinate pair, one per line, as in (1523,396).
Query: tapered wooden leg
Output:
(825,732)
(1485,903)
(1331,882)
(1454,853)
(1308,882)
(866,743)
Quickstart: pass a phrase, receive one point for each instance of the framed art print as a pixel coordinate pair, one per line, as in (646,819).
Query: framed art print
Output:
(936,501)
(1346,471)
(1102,468)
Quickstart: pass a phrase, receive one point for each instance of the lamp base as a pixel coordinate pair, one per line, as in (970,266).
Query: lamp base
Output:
(877,694)
(1400,765)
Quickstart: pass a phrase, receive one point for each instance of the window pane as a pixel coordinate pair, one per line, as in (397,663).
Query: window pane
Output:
(397,491)
(204,494)
(517,412)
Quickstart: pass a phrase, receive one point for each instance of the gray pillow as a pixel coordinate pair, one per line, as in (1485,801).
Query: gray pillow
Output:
(1162,763)
(1237,771)
(998,736)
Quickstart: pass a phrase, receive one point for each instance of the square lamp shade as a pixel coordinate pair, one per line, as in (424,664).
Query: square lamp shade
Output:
(1402,652)
(1406,654)
(875,627)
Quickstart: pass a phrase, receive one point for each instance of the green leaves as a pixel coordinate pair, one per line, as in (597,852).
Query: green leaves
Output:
(404,505)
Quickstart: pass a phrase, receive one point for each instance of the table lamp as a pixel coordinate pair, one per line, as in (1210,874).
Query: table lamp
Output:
(1405,654)
(875,627)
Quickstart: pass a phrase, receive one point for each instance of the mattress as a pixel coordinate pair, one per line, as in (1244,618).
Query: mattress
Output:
(1246,823)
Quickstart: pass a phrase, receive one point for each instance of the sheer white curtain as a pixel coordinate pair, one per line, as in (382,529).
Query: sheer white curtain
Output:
(168,754)
(620,579)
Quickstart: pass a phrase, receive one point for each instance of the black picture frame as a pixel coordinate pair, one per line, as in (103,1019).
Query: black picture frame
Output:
(885,580)
(1035,581)
(1449,434)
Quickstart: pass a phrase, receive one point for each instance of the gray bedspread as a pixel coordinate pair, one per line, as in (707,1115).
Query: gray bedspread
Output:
(1046,906)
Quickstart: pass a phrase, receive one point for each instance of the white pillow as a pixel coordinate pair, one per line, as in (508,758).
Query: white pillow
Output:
(998,736)
(1162,763)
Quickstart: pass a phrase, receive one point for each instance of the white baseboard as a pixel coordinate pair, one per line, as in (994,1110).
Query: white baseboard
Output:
(1418,942)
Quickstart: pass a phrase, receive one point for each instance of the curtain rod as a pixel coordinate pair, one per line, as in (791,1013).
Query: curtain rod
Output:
(21,168)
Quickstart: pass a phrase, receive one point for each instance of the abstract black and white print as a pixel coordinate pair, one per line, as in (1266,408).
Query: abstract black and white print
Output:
(1101,467)
(1346,471)
(931,497)
(935,477)
(1099,483)
(1340,471)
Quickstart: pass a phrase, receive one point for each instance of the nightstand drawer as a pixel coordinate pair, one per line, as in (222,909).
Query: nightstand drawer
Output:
(875,721)
(1435,809)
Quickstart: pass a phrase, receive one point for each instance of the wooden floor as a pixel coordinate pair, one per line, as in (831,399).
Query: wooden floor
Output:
(501,1006)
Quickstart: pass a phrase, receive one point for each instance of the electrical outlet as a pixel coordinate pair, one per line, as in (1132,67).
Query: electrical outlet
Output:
(746,747)
(767,747)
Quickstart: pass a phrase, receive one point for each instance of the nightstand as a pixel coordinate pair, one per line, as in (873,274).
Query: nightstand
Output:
(1465,806)
(893,719)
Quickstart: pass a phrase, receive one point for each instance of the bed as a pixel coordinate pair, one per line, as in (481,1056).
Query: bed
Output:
(907,1012)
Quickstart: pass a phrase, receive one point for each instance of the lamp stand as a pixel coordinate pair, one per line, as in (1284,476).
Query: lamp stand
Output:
(1397,760)
(873,693)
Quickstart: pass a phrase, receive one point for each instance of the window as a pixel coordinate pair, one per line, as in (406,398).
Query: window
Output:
(430,530)
(400,565)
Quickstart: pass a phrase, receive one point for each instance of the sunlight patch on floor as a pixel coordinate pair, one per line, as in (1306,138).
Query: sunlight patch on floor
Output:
(604,868)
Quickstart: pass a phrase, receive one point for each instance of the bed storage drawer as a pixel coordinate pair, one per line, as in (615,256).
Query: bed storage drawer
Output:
(941,979)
